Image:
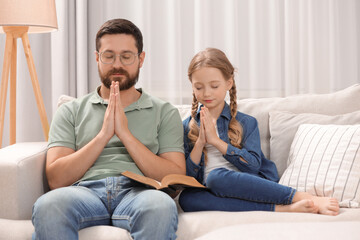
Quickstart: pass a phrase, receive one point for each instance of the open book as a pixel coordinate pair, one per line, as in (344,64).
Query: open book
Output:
(169,184)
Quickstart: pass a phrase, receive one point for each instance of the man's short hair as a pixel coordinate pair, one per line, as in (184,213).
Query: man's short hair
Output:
(120,26)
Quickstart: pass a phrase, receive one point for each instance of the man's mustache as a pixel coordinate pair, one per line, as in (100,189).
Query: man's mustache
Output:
(118,71)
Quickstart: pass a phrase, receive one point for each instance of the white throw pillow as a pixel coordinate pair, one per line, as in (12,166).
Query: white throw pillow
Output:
(64,99)
(184,110)
(283,126)
(324,160)
(340,102)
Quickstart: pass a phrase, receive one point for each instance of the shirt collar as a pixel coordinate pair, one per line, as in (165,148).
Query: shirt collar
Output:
(96,98)
(143,102)
(225,112)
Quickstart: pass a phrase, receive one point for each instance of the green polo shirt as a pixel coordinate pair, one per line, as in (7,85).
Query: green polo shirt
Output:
(155,123)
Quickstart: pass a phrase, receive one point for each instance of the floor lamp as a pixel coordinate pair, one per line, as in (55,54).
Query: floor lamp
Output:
(17,19)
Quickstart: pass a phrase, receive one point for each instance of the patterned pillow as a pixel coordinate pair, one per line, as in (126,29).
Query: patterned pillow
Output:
(283,127)
(324,160)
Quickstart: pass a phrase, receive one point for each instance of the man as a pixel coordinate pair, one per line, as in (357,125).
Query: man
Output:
(95,138)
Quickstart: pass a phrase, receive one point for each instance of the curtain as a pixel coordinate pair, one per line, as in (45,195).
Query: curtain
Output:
(279,48)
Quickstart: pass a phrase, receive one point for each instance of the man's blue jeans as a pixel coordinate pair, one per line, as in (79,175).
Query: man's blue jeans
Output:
(116,201)
(236,191)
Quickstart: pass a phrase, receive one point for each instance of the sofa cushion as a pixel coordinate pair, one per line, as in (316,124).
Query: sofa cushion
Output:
(324,160)
(22,178)
(104,233)
(288,231)
(191,225)
(64,99)
(283,126)
(196,224)
(343,101)
(23,230)
(340,102)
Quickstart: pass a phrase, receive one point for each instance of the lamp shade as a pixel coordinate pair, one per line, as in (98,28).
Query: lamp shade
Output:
(38,15)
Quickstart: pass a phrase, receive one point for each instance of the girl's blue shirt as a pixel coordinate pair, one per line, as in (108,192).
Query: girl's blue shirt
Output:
(256,164)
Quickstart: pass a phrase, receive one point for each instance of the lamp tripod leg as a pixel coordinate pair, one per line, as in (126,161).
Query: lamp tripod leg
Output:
(4,81)
(35,83)
(13,93)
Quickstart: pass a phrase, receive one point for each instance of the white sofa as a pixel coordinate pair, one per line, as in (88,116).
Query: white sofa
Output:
(22,180)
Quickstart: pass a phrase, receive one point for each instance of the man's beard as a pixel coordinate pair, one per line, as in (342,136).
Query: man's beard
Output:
(125,82)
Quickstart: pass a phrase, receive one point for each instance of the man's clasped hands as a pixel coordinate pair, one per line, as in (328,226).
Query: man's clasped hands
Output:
(115,121)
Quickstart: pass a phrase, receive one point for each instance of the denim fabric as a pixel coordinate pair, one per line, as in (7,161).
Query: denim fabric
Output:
(115,201)
(236,191)
(253,188)
(256,164)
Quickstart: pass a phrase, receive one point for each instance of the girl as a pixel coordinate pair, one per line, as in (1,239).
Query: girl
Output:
(222,150)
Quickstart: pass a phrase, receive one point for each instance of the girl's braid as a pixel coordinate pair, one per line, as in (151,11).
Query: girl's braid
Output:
(235,129)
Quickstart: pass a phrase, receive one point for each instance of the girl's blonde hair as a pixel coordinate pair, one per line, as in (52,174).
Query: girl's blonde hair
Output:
(215,58)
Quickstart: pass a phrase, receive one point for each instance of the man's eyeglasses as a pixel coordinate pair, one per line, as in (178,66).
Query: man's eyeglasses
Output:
(126,58)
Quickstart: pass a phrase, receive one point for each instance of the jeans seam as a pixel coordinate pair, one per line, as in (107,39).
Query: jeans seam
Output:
(123,217)
(109,182)
(288,201)
(291,196)
(83,220)
(246,199)
(108,200)
(272,207)
(175,219)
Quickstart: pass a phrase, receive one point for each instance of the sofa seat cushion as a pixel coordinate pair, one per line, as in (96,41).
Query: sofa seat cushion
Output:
(191,225)
(196,224)
(15,229)
(23,230)
(104,233)
(288,231)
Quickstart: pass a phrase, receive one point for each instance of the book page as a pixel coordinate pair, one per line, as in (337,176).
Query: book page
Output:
(177,179)
(142,179)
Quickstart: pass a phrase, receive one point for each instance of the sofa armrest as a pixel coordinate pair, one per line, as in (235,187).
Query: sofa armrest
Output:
(22,178)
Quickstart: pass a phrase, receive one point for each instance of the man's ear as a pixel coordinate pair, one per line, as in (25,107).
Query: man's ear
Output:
(141,58)
(230,83)
(97,56)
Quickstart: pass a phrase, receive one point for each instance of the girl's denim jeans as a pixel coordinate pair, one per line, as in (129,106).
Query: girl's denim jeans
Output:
(116,201)
(236,191)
